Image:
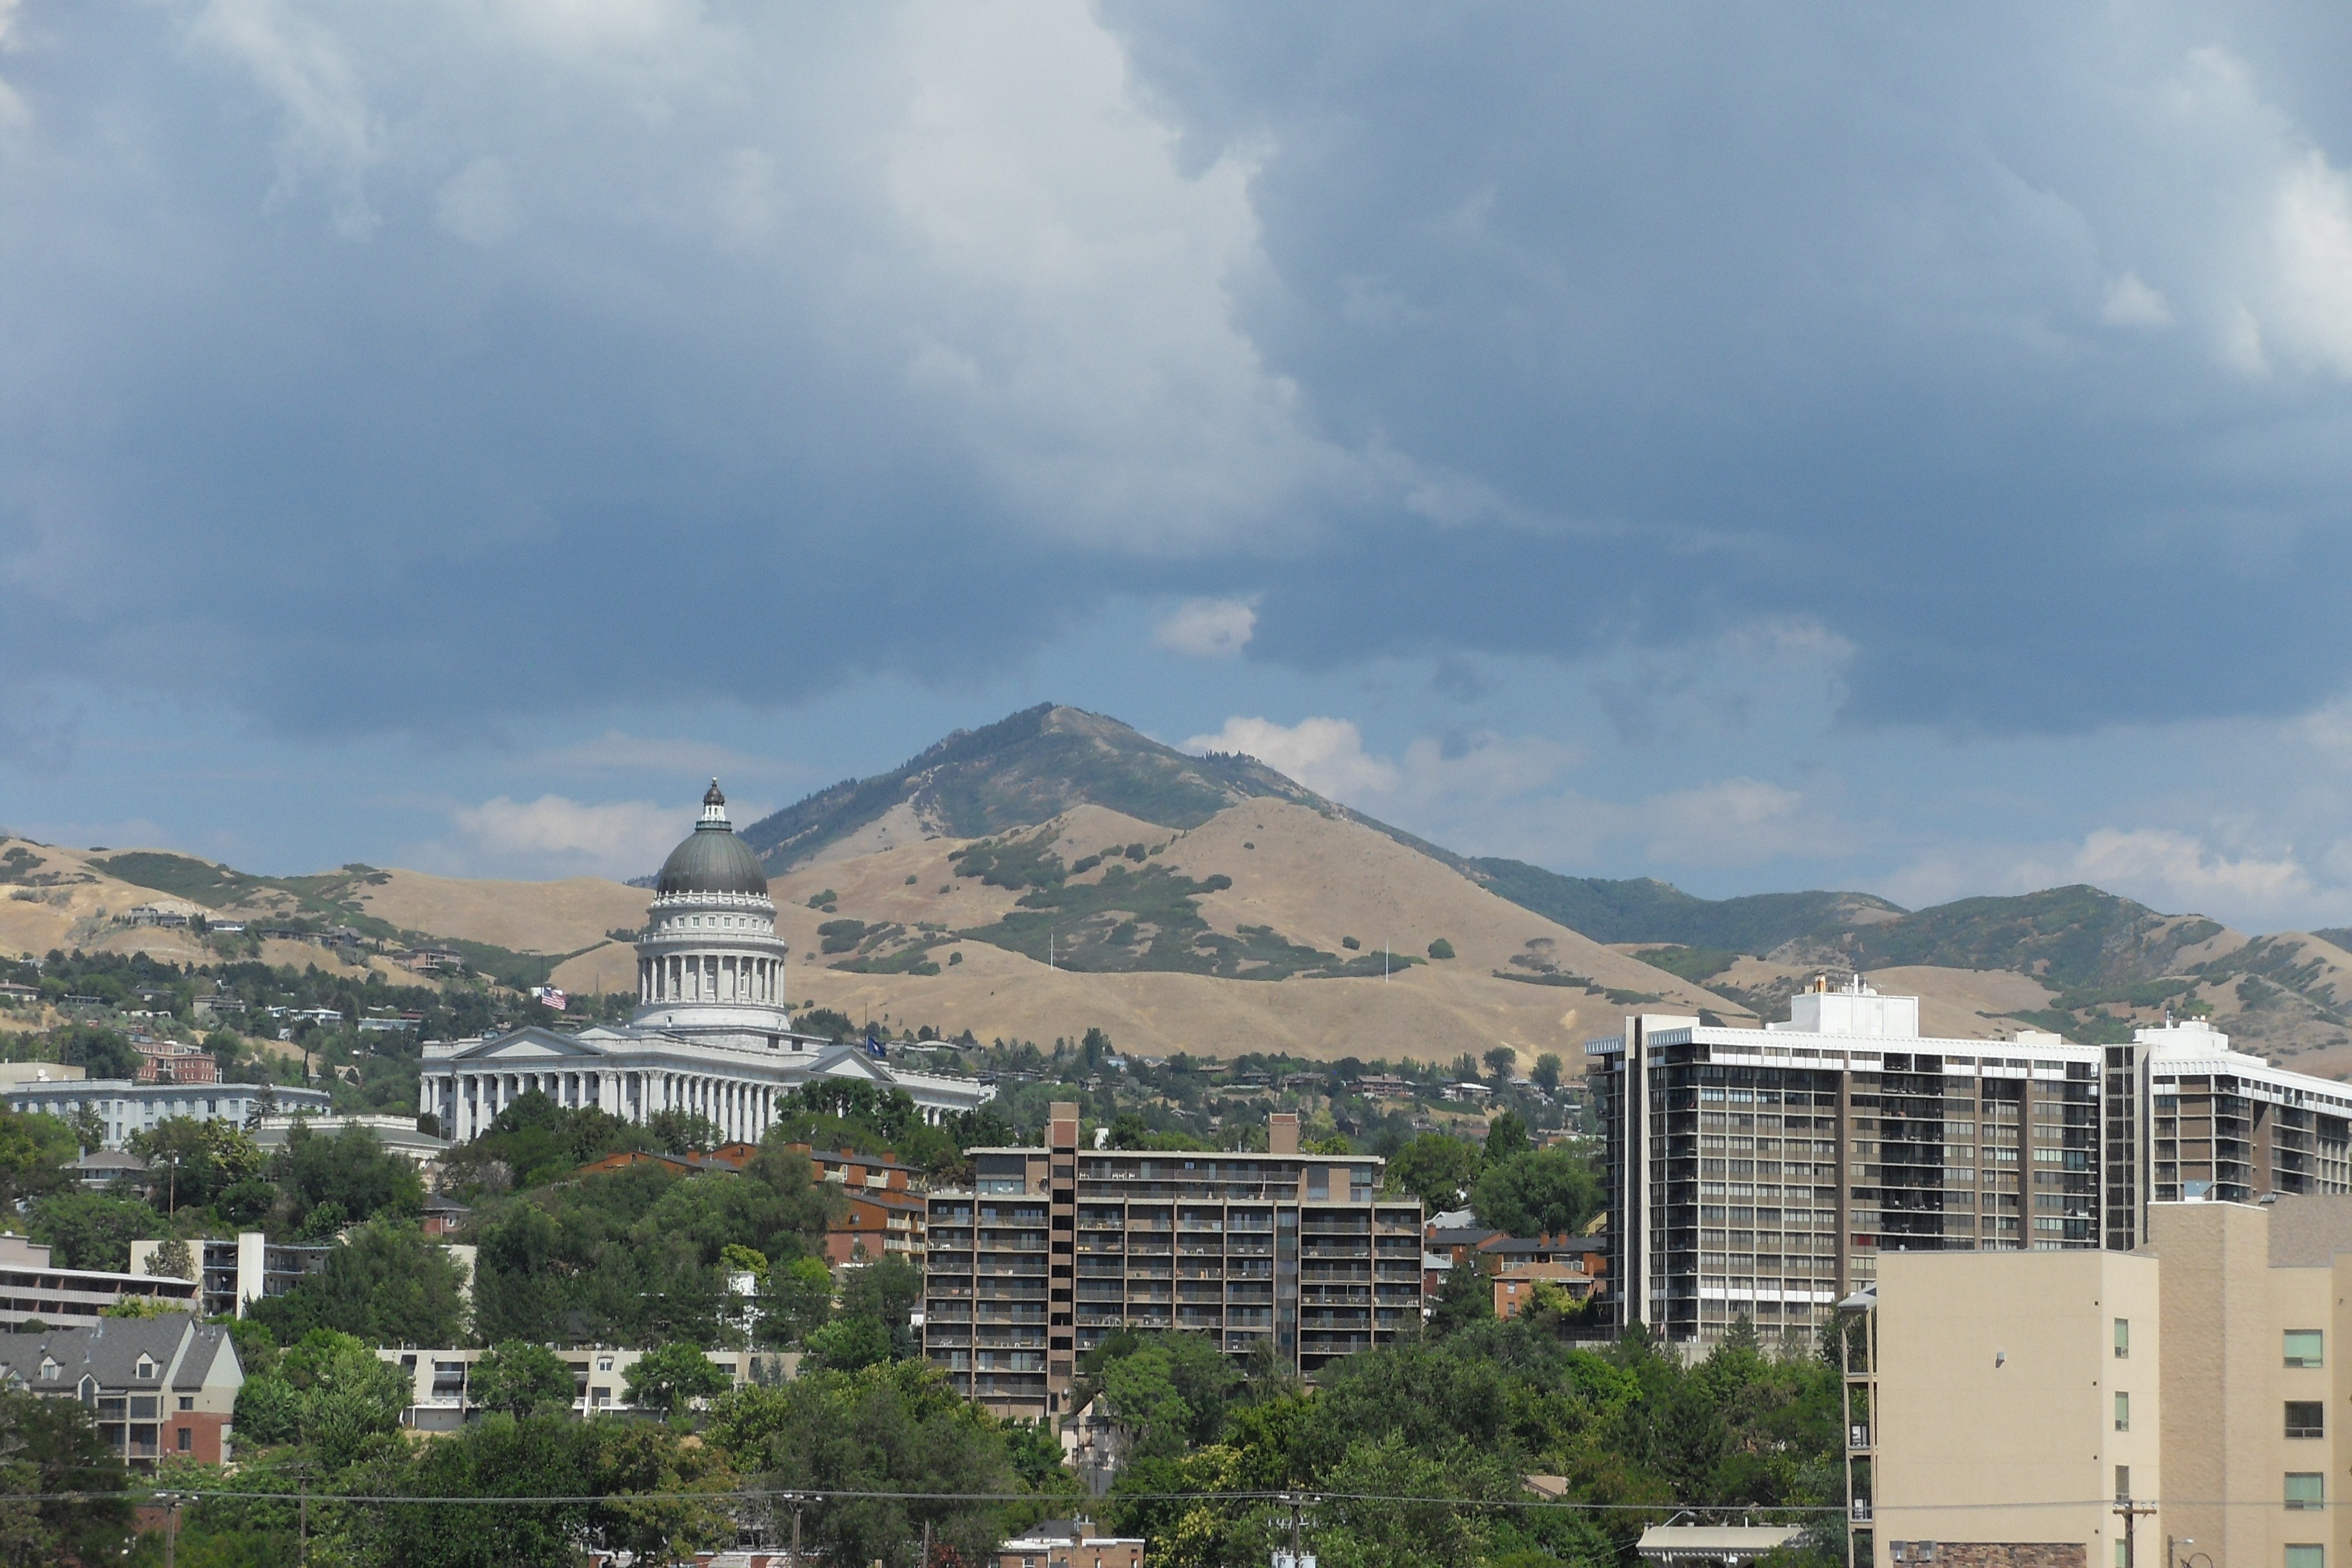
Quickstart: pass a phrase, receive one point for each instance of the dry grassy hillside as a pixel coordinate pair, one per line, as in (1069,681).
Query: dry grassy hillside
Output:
(528,916)
(1316,879)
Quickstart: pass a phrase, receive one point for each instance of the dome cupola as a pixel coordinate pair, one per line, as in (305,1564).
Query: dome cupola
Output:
(712,859)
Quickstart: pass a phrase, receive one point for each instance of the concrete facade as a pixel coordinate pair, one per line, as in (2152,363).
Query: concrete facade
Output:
(128,1107)
(2017,1399)
(1997,1418)
(33,1289)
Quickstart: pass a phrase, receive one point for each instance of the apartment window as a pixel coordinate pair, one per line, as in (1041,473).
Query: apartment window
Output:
(188,1442)
(2122,1411)
(2123,1483)
(2306,1489)
(2307,1418)
(187,1402)
(2123,1339)
(2122,1553)
(2303,1348)
(2306,1557)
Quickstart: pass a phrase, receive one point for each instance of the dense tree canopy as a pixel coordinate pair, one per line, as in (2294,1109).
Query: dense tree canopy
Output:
(637,1256)
(51,1449)
(1546,1193)
(518,1377)
(894,1426)
(388,1284)
(1465,1417)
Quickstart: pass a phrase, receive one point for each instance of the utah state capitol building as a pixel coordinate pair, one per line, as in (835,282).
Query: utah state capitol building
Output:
(710,1036)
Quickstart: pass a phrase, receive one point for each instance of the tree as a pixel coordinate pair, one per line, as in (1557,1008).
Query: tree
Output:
(635,1257)
(326,1182)
(49,1448)
(1464,1297)
(1546,1072)
(1506,1138)
(670,1376)
(796,1299)
(92,1230)
(1500,1061)
(33,1148)
(517,1378)
(389,1284)
(1441,949)
(849,1344)
(500,1456)
(887,1291)
(1551,1192)
(892,1428)
(101,1053)
(211,1157)
(330,1392)
(172,1260)
(1168,1391)
(1437,1169)
(88,1124)
(651,1481)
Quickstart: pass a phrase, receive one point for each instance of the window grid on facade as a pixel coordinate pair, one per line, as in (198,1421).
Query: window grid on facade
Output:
(2304,1347)
(2307,1418)
(2307,1488)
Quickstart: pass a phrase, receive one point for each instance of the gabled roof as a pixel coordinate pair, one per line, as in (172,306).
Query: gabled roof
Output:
(533,1040)
(178,1350)
(850,1061)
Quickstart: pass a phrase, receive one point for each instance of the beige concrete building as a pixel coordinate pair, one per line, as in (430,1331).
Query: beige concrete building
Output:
(2004,1412)
(2111,1410)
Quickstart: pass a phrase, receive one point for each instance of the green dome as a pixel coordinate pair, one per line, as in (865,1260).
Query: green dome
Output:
(712,859)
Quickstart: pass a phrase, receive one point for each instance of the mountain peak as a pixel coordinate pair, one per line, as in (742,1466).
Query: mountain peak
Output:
(1026,768)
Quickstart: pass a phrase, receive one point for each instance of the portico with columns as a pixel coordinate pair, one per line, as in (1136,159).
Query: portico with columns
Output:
(710,1036)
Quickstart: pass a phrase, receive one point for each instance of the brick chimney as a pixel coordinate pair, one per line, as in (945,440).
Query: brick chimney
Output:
(1281,1132)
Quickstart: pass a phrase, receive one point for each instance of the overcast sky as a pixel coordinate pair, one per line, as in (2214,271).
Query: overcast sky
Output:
(1761,448)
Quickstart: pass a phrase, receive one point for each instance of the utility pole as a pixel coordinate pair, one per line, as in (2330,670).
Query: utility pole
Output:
(797,1500)
(302,1514)
(1297,1503)
(927,1544)
(171,1528)
(2131,1513)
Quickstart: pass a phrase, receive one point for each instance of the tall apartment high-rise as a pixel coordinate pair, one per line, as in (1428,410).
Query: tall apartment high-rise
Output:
(1760,1173)
(1294,1254)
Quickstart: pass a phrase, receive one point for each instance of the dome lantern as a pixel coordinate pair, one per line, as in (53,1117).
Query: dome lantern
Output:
(712,860)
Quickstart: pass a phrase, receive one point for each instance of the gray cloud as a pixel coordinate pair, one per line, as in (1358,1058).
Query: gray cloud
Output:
(418,367)
(1813,311)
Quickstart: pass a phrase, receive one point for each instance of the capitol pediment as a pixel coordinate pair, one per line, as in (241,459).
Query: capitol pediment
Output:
(530,1044)
(850,1061)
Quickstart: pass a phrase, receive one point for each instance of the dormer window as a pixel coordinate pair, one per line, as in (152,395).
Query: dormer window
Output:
(145,1369)
(49,1370)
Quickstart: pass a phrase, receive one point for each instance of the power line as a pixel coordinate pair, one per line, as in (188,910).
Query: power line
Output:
(742,1494)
